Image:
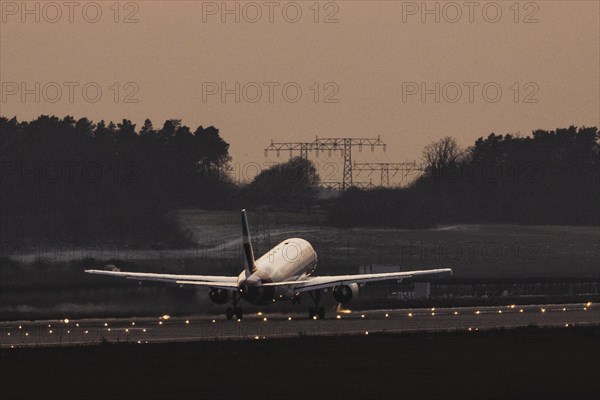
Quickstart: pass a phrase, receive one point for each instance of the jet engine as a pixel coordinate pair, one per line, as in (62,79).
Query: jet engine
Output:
(344,293)
(219,296)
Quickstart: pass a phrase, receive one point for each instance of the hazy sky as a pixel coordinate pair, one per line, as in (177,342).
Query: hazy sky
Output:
(361,73)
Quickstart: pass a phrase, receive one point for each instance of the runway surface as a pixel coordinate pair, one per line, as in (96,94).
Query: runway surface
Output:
(67,332)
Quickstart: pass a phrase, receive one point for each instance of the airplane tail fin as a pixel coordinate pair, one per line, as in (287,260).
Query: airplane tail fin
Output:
(249,265)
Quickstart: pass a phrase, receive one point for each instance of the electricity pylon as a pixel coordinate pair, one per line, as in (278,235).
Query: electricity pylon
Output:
(343,144)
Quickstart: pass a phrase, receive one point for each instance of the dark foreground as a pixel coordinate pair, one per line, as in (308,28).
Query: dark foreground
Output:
(520,363)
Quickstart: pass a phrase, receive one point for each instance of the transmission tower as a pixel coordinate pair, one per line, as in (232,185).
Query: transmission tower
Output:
(303,147)
(344,145)
(407,168)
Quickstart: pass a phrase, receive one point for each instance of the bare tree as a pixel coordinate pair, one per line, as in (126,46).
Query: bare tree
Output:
(441,154)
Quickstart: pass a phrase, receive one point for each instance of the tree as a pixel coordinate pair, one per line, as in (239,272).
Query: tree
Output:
(291,185)
(67,178)
(440,155)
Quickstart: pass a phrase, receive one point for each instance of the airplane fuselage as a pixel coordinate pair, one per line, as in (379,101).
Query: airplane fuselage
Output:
(293,259)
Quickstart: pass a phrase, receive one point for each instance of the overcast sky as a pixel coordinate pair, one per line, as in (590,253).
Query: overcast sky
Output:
(361,67)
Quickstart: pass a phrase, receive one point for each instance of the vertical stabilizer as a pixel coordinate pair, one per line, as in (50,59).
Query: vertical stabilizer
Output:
(249,265)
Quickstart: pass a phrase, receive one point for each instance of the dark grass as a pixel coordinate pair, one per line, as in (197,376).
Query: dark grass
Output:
(525,363)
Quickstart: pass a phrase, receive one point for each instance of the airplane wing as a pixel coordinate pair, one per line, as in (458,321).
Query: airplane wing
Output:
(213,284)
(220,282)
(321,282)
(230,282)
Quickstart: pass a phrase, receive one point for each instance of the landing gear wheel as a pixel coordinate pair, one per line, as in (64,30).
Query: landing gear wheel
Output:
(321,312)
(229,313)
(239,313)
(316,311)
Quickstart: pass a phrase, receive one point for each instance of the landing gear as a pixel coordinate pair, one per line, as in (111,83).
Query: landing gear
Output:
(316,311)
(296,299)
(235,310)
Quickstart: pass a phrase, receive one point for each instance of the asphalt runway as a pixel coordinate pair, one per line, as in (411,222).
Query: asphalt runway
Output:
(15,334)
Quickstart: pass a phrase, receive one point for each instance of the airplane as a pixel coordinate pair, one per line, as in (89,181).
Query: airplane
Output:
(283,273)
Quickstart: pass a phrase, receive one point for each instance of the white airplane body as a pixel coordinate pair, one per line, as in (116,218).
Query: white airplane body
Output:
(283,273)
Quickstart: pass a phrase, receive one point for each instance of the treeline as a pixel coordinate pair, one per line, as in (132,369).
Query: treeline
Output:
(76,180)
(550,177)
(67,179)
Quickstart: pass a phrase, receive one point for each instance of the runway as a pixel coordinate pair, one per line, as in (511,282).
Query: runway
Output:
(263,325)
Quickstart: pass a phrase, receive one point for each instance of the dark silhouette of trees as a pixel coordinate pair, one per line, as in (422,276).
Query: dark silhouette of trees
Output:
(75,179)
(550,177)
(67,179)
(292,186)
(407,208)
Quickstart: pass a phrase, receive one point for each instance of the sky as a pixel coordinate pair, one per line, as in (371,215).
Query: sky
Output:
(410,72)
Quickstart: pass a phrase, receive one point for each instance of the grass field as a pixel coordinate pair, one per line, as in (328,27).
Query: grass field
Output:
(471,250)
(482,251)
(39,279)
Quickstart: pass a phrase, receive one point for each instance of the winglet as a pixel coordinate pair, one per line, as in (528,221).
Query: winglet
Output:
(249,265)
